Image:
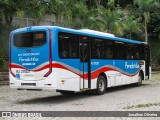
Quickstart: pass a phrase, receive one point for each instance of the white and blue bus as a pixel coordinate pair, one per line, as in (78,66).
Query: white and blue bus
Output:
(68,60)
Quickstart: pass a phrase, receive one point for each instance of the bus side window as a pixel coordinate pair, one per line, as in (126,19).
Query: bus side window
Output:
(108,50)
(119,50)
(98,48)
(137,52)
(136,55)
(142,52)
(68,45)
(98,52)
(93,49)
(63,53)
(130,53)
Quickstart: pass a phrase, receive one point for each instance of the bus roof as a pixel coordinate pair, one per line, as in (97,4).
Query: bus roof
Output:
(97,34)
(87,32)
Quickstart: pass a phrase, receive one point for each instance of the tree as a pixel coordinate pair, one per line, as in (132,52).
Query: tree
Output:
(132,27)
(143,9)
(112,18)
(79,14)
(8,7)
(114,21)
(36,8)
(1,17)
(59,7)
(154,24)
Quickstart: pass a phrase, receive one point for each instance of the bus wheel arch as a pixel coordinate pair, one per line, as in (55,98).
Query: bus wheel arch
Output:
(101,84)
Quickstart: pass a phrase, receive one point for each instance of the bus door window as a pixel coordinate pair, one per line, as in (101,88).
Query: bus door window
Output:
(83,51)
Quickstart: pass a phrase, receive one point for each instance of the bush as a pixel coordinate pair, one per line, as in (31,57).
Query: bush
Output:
(3,65)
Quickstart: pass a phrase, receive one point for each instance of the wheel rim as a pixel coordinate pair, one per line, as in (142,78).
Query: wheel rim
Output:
(101,85)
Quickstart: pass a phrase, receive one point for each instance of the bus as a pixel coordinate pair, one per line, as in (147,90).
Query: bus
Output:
(68,60)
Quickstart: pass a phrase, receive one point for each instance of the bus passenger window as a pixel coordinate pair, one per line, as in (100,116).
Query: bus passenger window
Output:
(134,52)
(138,52)
(108,50)
(136,55)
(130,54)
(98,48)
(63,54)
(119,50)
(68,45)
(98,52)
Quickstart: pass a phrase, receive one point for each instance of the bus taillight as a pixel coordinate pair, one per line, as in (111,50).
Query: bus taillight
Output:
(142,63)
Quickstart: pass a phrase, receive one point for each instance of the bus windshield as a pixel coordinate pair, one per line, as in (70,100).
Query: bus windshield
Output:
(30,39)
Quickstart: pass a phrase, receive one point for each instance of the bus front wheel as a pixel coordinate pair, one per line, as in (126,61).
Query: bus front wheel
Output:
(101,85)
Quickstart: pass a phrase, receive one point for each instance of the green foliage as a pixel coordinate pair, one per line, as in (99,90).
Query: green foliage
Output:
(4,40)
(9,9)
(101,15)
(145,10)
(132,28)
(143,105)
(113,20)
(32,8)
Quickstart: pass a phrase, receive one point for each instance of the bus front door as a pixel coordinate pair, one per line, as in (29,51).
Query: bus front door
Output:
(85,67)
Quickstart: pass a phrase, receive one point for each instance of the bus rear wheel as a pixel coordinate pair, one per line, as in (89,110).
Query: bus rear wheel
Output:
(101,85)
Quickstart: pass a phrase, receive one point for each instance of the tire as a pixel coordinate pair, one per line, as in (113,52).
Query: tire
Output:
(140,78)
(101,85)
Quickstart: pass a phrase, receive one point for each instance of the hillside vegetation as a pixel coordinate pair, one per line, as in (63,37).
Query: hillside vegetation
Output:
(132,19)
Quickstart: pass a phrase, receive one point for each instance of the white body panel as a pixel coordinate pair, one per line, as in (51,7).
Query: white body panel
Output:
(61,79)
